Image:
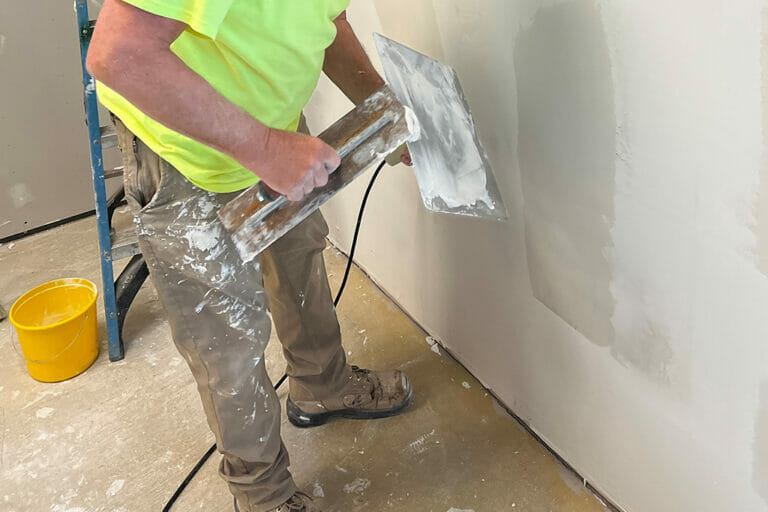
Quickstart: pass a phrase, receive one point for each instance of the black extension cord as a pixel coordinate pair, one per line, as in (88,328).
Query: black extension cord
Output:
(212,449)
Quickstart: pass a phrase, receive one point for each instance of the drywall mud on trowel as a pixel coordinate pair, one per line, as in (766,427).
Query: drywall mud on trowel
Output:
(451,166)
(368,133)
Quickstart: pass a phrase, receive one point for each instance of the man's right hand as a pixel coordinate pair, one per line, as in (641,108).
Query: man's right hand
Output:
(293,164)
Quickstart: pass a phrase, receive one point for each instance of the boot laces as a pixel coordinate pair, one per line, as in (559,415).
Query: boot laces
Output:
(299,502)
(374,386)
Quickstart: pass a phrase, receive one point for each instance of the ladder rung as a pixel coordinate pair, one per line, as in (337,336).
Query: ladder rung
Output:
(114,173)
(125,244)
(108,136)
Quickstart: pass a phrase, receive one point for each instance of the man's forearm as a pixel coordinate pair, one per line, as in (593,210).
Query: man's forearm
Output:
(142,68)
(348,66)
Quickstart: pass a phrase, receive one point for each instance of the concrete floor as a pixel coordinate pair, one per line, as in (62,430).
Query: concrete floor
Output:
(122,436)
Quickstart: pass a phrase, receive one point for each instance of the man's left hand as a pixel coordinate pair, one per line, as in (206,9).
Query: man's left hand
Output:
(406,159)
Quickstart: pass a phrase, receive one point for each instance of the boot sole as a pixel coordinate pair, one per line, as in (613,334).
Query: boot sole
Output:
(302,419)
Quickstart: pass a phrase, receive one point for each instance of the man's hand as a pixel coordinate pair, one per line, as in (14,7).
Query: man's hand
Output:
(406,159)
(292,164)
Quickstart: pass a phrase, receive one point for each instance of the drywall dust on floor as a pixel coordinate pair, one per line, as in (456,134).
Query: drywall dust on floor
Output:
(566,145)
(121,436)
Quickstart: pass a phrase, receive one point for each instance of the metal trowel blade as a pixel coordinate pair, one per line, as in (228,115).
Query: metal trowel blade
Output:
(451,166)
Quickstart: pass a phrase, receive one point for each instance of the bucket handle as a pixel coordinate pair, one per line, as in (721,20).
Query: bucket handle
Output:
(20,351)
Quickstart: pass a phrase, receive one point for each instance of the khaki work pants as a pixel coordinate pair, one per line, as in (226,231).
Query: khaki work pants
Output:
(217,309)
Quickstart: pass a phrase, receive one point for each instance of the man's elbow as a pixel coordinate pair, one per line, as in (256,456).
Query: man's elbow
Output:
(95,62)
(111,53)
(103,60)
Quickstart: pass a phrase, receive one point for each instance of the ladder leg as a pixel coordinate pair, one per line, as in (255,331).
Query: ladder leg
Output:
(114,343)
(114,202)
(126,287)
(85,28)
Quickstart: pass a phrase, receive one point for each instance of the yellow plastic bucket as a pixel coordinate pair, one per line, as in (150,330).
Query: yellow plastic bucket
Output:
(56,326)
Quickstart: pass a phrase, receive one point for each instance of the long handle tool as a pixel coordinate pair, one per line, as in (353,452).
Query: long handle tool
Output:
(370,132)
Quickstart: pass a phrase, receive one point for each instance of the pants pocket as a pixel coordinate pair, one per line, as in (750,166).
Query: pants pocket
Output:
(142,168)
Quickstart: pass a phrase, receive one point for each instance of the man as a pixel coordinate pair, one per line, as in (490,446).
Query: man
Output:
(207,95)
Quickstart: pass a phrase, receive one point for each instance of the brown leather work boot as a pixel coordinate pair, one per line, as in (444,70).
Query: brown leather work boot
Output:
(366,395)
(299,502)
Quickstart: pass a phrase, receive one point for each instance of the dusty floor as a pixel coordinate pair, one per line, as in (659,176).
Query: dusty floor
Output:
(122,436)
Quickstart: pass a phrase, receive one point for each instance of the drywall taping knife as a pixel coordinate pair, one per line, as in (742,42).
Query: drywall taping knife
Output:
(373,130)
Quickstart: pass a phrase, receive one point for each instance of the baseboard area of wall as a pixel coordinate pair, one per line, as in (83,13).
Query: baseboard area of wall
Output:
(608,504)
(46,227)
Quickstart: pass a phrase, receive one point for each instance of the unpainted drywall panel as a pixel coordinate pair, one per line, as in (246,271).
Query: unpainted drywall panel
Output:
(566,141)
(761,211)
(668,416)
(760,478)
(44,164)
(392,14)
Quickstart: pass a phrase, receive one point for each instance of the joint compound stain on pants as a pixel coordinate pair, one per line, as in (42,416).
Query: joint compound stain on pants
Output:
(567,141)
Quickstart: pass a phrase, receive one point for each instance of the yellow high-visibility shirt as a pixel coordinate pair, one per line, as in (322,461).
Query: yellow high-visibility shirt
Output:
(265,56)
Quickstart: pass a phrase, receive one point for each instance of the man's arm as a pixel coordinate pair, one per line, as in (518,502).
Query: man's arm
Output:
(348,66)
(130,53)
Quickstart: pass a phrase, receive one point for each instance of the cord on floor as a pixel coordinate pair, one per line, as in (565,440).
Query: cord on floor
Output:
(343,285)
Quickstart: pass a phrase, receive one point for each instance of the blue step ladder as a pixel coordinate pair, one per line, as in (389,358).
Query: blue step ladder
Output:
(118,295)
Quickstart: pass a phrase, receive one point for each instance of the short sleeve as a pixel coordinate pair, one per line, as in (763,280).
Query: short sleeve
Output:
(203,16)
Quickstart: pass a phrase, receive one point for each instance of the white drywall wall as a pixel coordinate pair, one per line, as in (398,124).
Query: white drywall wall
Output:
(623,309)
(45,172)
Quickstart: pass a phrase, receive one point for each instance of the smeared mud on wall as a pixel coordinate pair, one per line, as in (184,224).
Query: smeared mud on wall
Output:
(567,161)
(680,125)
(761,213)
(760,464)
(760,447)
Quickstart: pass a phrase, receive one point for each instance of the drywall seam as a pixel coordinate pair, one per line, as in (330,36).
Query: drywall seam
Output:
(566,136)
(760,445)
(760,459)
(761,221)
(653,241)
(685,91)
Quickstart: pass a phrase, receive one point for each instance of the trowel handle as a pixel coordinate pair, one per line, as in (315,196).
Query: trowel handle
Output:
(394,157)
(350,145)
(273,204)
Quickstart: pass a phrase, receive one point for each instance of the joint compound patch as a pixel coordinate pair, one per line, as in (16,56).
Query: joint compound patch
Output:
(420,445)
(761,209)
(357,486)
(20,194)
(760,446)
(567,146)
(434,344)
(45,412)
(115,487)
